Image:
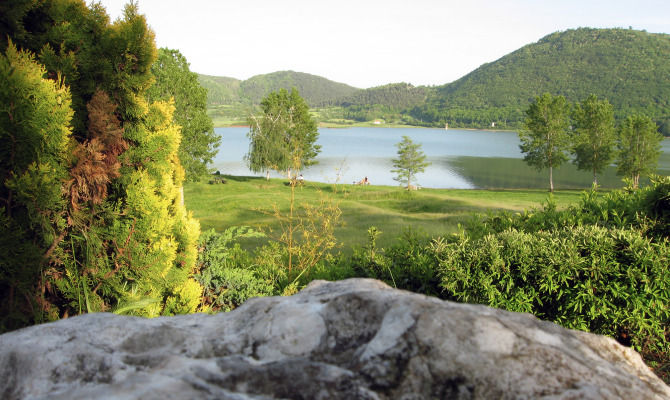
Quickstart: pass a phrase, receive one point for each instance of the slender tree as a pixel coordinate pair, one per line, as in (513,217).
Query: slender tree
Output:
(410,161)
(639,145)
(284,137)
(544,139)
(174,80)
(594,137)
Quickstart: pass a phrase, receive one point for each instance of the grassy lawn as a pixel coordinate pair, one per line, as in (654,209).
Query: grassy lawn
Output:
(241,201)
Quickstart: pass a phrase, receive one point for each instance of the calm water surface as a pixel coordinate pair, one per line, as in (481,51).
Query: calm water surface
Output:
(463,159)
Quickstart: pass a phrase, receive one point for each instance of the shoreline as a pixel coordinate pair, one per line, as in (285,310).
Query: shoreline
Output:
(337,126)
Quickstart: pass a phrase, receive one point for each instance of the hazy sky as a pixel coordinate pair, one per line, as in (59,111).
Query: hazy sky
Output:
(367,43)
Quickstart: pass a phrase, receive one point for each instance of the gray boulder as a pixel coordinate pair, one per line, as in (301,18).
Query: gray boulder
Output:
(353,339)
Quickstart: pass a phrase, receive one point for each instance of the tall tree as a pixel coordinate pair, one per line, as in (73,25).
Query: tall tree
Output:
(544,139)
(284,137)
(594,137)
(174,80)
(91,184)
(639,145)
(410,161)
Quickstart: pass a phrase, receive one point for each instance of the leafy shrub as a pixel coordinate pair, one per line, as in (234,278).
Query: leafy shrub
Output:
(613,282)
(226,271)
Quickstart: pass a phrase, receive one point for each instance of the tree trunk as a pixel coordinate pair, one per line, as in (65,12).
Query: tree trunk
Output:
(551,179)
(595,178)
(267,175)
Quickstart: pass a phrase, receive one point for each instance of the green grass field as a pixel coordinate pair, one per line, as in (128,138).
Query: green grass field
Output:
(241,201)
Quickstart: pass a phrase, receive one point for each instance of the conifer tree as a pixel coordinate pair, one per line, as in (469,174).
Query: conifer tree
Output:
(98,205)
(34,144)
(410,161)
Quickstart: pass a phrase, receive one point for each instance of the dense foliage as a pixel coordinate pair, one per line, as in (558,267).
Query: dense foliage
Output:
(627,67)
(175,82)
(283,137)
(544,137)
(593,135)
(639,147)
(91,210)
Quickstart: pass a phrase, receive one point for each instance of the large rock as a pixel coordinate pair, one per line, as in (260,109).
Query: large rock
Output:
(354,339)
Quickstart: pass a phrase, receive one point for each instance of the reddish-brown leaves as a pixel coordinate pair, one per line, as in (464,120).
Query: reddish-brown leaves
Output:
(97,160)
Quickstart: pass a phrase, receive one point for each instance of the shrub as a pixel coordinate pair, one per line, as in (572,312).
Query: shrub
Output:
(226,272)
(612,282)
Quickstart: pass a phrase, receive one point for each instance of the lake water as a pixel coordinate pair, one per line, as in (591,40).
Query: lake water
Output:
(463,159)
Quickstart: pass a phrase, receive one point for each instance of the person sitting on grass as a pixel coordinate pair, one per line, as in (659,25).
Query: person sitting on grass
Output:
(363,181)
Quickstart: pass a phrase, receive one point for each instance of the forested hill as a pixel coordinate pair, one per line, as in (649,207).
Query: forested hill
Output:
(629,68)
(394,95)
(220,89)
(314,89)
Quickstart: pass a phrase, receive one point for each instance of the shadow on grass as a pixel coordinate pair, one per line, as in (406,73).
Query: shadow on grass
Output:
(243,178)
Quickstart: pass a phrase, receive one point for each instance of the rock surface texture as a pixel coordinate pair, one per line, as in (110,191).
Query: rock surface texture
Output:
(353,339)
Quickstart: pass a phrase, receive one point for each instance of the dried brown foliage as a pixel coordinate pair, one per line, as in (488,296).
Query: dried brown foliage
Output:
(97,160)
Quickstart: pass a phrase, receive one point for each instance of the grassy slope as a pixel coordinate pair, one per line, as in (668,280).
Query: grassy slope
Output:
(391,209)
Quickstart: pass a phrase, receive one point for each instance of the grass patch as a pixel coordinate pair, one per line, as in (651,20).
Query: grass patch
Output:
(389,208)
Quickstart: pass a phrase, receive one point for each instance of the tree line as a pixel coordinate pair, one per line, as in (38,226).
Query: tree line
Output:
(553,130)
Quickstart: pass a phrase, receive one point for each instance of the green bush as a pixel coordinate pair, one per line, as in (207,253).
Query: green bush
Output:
(226,271)
(613,282)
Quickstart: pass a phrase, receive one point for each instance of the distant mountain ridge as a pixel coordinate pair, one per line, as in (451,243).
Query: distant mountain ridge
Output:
(629,68)
(314,89)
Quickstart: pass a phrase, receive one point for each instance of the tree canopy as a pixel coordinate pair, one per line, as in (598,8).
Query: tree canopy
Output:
(594,135)
(283,137)
(639,145)
(544,139)
(175,81)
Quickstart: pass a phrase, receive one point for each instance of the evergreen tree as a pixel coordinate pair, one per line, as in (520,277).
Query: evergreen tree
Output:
(544,139)
(93,211)
(284,137)
(639,145)
(34,144)
(410,161)
(175,81)
(594,137)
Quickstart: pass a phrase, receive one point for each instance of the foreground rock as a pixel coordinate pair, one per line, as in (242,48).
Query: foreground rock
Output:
(354,339)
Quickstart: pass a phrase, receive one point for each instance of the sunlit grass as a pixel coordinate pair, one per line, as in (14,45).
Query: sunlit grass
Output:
(242,200)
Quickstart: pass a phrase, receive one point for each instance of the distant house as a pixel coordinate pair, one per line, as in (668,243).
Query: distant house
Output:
(493,124)
(377,122)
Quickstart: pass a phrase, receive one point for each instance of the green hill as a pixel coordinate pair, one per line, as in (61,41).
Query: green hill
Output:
(394,95)
(314,89)
(220,89)
(630,68)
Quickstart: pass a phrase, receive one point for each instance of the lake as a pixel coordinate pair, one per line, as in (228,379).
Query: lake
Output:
(461,159)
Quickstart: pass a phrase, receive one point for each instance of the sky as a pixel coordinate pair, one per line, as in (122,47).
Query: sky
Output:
(366,43)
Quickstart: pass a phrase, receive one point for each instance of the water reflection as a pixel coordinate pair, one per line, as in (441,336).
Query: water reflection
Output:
(460,159)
